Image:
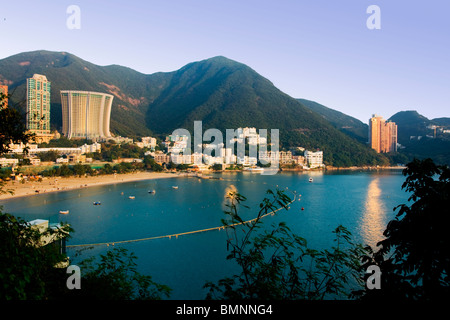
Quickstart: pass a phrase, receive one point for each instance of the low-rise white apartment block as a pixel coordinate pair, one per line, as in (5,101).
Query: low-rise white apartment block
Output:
(195,158)
(34,149)
(314,159)
(176,144)
(62,160)
(149,142)
(34,161)
(282,157)
(247,161)
(253,138)
(161,157)
(5,162)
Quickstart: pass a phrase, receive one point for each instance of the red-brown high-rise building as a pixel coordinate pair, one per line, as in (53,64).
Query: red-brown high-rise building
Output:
(4,90)
(382,134)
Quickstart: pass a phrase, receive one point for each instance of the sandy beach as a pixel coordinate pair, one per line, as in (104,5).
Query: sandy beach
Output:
(58,184)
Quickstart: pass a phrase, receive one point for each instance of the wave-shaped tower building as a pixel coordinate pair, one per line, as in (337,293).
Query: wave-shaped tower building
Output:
(86,114)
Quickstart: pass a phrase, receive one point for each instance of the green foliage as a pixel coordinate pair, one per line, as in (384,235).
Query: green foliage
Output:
(27,270)
(411,123)
(63,142)
(415,256)
(12,130)
(50,155)
(114,276)
(12,126)
(150,164)
(349,125)
(111,151)
(216,167)
(277,264)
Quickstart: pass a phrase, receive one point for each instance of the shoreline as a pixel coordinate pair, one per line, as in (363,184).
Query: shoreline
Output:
(61,184)
(366,168)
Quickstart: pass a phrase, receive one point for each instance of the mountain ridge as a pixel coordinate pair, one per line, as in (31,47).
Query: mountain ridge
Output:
(419,140)
(221,92)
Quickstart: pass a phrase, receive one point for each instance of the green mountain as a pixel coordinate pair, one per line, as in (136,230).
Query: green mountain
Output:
(226,94)
(410,123)
(347,124)
(223,93)
(419,139)
(133,91)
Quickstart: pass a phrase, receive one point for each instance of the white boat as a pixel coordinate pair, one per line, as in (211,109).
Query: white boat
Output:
(174,187)
(64,211)
(131,197)
(97,203)
(311,180)
(254,169)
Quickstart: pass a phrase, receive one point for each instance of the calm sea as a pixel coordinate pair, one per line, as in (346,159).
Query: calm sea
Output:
(363,202)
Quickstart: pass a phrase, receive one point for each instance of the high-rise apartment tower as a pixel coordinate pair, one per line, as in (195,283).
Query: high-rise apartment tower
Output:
(85,114)
(382,134)
(38,104)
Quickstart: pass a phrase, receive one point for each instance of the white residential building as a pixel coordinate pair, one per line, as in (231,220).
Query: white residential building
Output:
(4,162)
(247,161)
(282,157)
(177,143)
(314,159)
(62,160)
(86,114)
(149,142)
(34,149)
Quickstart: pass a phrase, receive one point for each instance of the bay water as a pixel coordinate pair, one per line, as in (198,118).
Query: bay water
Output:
(361,201)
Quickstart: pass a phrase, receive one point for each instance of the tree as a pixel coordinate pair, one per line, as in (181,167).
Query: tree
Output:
(12,130)
(50,155)
(277,264)
(216,167)
(414,258)
(115,277)
(12,126)
(150,164)
(28,269)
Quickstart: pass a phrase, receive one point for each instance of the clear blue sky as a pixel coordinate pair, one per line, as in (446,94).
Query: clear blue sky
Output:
(320,50)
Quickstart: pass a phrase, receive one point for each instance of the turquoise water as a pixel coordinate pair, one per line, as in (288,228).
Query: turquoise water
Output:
(361,201)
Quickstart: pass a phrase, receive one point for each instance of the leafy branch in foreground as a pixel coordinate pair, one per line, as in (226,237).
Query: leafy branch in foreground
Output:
(414,258)
(28,268)
(277,264)
(115,277)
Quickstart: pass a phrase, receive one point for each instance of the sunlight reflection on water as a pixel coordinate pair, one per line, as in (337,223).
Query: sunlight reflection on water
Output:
(373,219)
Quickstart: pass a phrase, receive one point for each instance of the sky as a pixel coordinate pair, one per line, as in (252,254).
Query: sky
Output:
(321,50)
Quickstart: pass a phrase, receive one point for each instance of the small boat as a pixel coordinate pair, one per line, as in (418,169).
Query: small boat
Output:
(303,208)
(64,211)
(311,180)
(151,191)
(131,197)
(254,169)
(97,203)
(174,187)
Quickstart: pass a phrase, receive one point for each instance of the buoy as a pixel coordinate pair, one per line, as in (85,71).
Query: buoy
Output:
(303,208)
